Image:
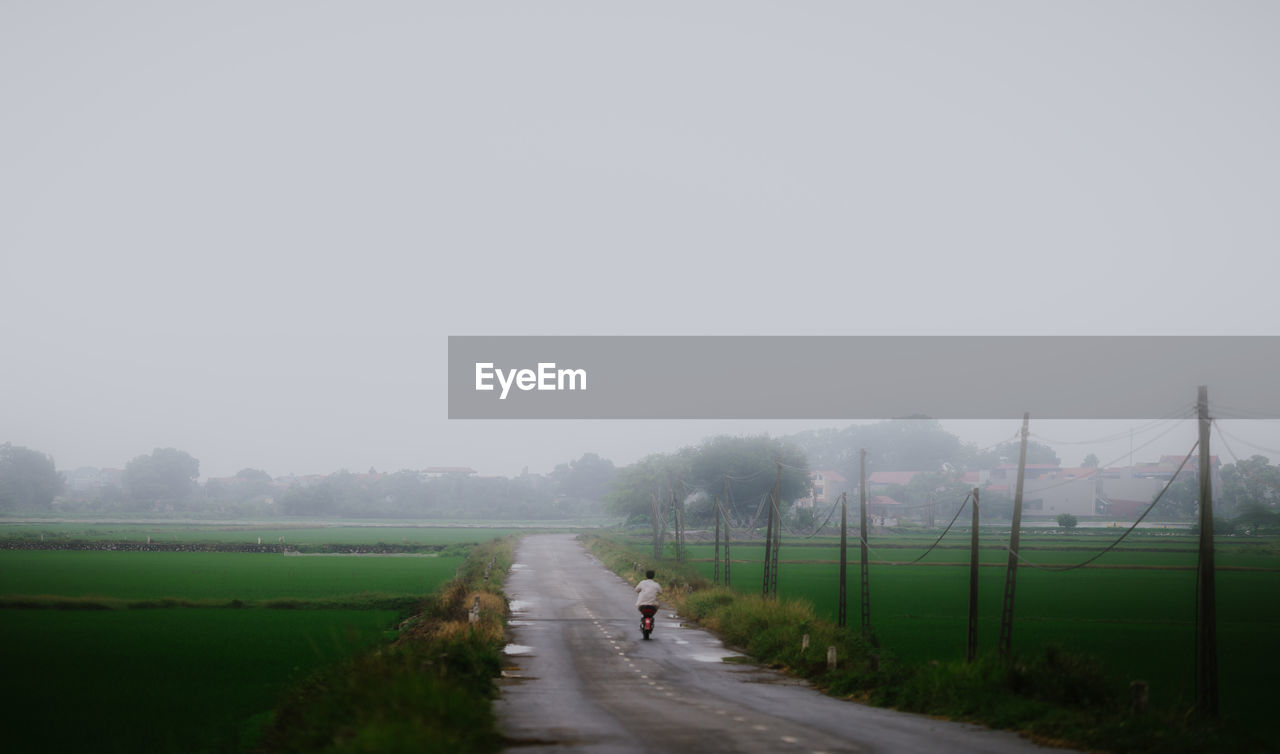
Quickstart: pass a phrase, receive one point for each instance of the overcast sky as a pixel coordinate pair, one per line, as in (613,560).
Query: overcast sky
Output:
(246,229)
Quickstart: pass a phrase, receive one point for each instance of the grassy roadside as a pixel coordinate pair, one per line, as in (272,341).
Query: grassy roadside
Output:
(1055,697)
(428,690)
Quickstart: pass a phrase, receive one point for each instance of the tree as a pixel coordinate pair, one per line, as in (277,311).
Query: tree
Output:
(916,444)
(692,476)
(1256,519)
(167,475)
(320,500)
(1090,461)
(751,464)
(1182,499)
(28,479)
(1067,521)
(1251,482)
(257,476)
(1007,453)
(940,492)
(642,490)
(587,478)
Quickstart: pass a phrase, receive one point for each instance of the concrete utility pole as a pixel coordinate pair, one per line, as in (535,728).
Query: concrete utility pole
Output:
(656,522)
(864,588)
(1011,575)
(777,532)
(1206,615)
(973,583)
(844,560)
(727,530)
(716,570)
(677,505)
(768,551)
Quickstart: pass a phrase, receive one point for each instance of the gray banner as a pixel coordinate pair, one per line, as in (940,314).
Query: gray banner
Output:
(858,377)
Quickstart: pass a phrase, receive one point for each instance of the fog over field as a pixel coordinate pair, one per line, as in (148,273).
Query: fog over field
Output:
(247,230)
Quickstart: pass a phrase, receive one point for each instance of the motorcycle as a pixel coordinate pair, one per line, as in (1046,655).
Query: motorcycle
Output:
(646,619)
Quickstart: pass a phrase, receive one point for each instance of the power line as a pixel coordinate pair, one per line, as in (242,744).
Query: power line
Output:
(1184,413)
(944,532)
(1222,432)
(1101,467)
(1121,538)
(1232,412)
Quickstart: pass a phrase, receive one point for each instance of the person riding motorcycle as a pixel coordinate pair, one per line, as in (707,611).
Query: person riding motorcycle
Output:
(647,601)
(648,591)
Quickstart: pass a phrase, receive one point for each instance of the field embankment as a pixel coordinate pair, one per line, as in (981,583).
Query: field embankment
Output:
(429,690)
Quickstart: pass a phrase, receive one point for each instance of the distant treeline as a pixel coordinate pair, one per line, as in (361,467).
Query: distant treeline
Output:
(166,482)
(742,470)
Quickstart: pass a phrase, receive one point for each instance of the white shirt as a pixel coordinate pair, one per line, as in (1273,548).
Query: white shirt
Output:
(648,591)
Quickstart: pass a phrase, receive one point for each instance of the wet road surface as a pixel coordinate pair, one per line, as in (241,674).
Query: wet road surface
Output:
(581,678)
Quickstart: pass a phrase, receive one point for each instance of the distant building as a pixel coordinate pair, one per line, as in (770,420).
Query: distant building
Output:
(883,510)
(879,481)
(1051,496)
(91,479)
(828,485)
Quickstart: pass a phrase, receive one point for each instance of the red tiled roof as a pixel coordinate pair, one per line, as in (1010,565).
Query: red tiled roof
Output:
(1030,466)
(1175,460)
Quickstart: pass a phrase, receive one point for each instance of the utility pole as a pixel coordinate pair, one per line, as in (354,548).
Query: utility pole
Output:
(1206,614)
(716,569)
(728,531)
(973,583)
(1011,574)
(776,510)
(844,559)
(864,586)
(657,523)
(675,515)
(768,550)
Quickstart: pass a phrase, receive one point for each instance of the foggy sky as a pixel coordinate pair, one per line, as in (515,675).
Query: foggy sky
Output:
(245,230)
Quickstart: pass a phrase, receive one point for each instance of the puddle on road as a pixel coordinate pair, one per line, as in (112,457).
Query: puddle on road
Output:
(519,623)
(516,649)
(519,606)
(713,657)
(518,566)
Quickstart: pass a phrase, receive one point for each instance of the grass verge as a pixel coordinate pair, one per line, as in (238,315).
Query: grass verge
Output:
(429,690)
(1054,697)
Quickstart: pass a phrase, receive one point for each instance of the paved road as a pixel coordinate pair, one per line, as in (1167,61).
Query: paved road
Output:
(581,679)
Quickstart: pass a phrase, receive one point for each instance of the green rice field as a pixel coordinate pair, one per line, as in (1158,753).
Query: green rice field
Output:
(249,533)
(217,575)
(161,680)
(196,678)
(1135,612)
